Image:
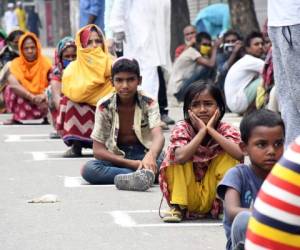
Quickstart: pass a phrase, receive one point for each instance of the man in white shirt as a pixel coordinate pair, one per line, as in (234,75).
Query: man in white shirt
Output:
(10,18)
(284,32)
(245,75)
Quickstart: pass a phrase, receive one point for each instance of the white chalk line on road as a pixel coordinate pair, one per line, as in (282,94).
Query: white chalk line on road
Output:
(29,138)
(77,181)
(124,219)
(58,155)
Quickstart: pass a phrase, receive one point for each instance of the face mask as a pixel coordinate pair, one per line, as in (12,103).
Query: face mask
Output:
(66,62)
(205,50)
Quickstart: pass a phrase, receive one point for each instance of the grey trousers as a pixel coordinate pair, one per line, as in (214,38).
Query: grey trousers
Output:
(286,61)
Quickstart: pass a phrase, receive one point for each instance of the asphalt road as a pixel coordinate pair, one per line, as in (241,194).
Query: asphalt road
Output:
(85,217)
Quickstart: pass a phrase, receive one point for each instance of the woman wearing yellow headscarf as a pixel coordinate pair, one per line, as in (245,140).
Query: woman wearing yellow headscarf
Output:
(84,82)
(28,78)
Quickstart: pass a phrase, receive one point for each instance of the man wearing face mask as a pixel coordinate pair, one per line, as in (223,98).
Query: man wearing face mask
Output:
(229,52)
(195,63)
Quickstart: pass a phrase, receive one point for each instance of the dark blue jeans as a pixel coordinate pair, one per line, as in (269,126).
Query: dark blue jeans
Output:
(104,172)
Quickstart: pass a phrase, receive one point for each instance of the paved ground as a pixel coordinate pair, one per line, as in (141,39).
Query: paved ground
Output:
(86,217)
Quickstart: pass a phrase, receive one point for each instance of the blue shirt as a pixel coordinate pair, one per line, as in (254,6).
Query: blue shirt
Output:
(243,179)
(92,7)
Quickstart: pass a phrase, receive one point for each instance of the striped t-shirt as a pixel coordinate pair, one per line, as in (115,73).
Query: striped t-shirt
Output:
(275,223)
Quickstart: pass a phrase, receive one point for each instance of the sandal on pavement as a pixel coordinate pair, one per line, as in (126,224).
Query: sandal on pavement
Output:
(73,152)
(173,216)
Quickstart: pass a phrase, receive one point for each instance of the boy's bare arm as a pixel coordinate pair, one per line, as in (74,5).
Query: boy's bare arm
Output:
(158,140)
(101,153)
(232,203)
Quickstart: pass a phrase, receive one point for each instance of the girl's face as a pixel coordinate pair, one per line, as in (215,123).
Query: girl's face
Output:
(69,53)
(95,41)
(204,106)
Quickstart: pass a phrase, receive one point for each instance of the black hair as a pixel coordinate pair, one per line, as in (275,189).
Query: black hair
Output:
(195,89)
(262,117)
(14,34)
(202,35)
(252,35)
(125,65)
(232,33)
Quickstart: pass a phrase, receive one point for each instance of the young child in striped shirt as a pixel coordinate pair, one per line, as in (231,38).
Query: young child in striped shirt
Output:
(262,134)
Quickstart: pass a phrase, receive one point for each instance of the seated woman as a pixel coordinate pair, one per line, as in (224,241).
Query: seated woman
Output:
(10,51)
(27,80)
(84,82)
(64,54)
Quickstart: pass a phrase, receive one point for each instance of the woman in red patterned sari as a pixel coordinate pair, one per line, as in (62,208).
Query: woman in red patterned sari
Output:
(27,80)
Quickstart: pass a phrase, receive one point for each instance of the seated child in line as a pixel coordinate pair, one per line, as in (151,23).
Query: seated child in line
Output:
(127,135)
(262,135)
(202,148)
(275,221)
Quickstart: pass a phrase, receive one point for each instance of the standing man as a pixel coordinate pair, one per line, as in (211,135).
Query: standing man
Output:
(92,12)
(144,27)
(34,21)
(284,32)
(10,19)
(21,15)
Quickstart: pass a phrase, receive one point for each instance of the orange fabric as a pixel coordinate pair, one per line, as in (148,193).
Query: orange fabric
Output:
(31,75)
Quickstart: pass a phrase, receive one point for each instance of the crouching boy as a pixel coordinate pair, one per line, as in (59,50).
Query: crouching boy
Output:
(262,134)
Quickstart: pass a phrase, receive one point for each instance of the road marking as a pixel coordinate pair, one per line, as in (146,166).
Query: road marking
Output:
(74,182)
(78,181)
(29,138)
(58,155)
(124,219)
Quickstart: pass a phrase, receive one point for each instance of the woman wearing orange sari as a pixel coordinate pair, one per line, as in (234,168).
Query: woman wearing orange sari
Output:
(84,82)
(28,78)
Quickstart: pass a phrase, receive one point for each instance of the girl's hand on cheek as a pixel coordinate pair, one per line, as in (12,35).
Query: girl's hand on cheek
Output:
(213,120)
(197,123)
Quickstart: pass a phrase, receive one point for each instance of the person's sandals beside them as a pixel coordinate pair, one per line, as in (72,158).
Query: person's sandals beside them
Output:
(127,137)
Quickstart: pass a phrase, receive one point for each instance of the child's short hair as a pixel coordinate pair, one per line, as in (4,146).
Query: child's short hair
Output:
(196,88)
(124,64)
(202,35)
(252,35)
(262,117)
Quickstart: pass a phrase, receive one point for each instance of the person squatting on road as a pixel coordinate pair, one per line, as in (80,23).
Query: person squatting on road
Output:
(84,82)
(262,134)
(202,148)
(25,92)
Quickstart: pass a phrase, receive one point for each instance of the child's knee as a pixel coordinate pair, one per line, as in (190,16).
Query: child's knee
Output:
(239,227)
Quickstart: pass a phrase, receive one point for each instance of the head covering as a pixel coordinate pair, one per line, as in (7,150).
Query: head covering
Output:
(32,75)
(58,67)
(10,5)
(87,79)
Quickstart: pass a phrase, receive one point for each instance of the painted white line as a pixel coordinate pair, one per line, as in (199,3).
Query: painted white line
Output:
(122,219)
(74,182)
(77,181)
(179,225)
(58,155)
(29,138)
